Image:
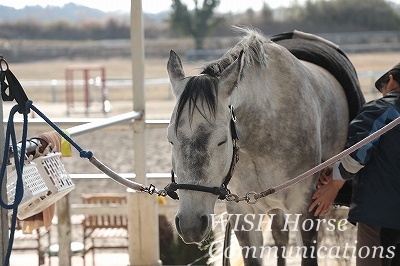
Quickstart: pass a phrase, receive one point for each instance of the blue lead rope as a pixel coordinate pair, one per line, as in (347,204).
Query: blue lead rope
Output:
(19,159)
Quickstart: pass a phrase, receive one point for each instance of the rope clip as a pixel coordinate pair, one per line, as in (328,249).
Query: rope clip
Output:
(151,189)
(251,198)
(11,89)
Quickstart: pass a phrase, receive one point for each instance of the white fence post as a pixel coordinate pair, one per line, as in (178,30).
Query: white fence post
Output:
(64,231)
(142,210)
(143,235)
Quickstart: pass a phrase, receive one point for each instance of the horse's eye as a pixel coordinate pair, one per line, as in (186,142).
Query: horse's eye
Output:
(222,142)
(170,142)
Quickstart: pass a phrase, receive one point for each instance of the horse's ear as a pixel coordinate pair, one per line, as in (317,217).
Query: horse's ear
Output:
(232,75)
(175,71)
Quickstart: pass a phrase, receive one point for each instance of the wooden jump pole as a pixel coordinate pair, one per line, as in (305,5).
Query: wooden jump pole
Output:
(142,208)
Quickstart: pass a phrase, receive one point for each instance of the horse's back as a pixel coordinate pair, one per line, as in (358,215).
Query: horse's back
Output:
(315,50)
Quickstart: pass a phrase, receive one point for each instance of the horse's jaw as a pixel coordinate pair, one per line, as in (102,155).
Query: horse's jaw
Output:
(194,218)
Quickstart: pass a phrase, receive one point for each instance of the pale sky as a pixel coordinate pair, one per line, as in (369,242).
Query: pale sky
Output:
(149,6)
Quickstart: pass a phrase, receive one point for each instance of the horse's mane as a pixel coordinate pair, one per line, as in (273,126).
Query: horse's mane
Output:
(204,87)
(251,44)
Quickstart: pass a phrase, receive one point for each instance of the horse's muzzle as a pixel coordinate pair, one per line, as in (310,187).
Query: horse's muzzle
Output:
(193,231)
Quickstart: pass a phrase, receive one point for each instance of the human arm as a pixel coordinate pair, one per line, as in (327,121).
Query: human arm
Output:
(372,117)
(327,190)
(330,182)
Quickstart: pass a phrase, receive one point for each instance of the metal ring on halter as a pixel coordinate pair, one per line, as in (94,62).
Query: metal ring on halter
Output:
(250,197)
(162,193)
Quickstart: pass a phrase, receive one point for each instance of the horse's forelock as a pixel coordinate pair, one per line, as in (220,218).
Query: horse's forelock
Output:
(200,91)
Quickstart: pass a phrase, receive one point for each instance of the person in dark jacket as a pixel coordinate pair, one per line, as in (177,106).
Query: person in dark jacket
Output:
(375,167)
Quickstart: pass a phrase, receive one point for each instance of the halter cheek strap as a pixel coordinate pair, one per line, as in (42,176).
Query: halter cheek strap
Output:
(222,191)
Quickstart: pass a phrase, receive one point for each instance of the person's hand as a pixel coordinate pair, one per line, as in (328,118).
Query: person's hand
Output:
(324,197)
(325,177)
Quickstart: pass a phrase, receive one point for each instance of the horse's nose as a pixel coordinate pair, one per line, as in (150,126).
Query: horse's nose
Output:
(193,231)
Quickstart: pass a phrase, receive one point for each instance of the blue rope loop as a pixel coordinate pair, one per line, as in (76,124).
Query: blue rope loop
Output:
(19,160)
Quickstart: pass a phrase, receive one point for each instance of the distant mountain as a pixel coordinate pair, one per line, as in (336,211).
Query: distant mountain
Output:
(71,12)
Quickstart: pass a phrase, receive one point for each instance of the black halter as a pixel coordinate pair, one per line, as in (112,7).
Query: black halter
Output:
(222,190)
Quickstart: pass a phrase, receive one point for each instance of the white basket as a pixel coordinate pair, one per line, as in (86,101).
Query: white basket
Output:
(45,181)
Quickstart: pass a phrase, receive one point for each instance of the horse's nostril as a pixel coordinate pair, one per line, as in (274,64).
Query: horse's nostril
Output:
(204,223)
(178,227)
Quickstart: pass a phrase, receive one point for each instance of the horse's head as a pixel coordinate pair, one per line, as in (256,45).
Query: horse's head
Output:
(202,143)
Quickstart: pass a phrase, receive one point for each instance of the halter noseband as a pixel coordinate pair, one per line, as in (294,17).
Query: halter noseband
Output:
(222,191)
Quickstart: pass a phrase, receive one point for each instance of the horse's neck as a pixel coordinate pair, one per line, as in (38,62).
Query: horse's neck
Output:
(274,88)
(268,109)
(266,102)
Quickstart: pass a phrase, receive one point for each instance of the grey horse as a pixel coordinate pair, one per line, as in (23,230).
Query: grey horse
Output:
(279,114)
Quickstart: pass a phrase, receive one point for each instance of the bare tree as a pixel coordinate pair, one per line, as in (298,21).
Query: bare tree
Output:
(198,23)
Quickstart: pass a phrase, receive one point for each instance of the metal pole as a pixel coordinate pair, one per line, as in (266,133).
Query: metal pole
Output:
(84,128)
(87,96)
(69,89)
(143,246)
(137,54)
(104,92)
